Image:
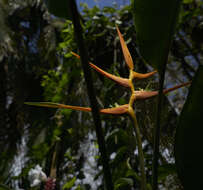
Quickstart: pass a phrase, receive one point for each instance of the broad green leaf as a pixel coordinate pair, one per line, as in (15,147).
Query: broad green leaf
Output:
(189,137)
(69,184)
(155,24)
(59,8)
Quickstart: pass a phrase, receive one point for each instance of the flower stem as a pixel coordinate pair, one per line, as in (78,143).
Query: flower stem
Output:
(137,132)
(140,151)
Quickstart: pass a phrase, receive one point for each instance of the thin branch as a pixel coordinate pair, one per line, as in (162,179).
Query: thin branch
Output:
(91,94)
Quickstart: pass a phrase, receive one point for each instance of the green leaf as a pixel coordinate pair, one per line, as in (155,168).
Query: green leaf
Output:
(189,136)
(187,1)
(155,24)
(123,183)
(132,173)
(69,184)
(4,187)
(60,8)
(165,170)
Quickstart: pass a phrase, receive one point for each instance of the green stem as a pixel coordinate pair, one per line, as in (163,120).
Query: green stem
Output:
(140,151)
(91,94)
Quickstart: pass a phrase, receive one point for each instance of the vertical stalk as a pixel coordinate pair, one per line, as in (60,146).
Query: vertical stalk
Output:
(140,151)
(137,132)
(91,94)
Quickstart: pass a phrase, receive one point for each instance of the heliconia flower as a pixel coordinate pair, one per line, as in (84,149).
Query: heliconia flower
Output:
(120,110)
(142,94)
(112,111)
(122,81)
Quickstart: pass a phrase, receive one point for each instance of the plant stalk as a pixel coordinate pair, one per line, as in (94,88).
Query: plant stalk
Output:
(140,151)
(137,132)
(91,94)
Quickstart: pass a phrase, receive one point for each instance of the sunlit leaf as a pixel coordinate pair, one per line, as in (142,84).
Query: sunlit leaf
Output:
(189,139)
(187,1)
(126,53)
(69,184)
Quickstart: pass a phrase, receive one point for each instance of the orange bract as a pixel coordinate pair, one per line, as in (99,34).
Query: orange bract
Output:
(143,76)
(122,81)
(149,94)
(114,111)
(126,53)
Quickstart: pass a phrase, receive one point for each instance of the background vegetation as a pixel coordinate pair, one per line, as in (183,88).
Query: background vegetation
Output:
(36,65)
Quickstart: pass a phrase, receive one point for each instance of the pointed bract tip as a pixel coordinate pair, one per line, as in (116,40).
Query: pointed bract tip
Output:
(143,76)
(111,111)
(149,94)
(122,81)
(75,54)
(126,53)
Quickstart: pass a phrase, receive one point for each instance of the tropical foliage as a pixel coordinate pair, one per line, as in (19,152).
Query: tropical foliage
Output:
(37,65)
